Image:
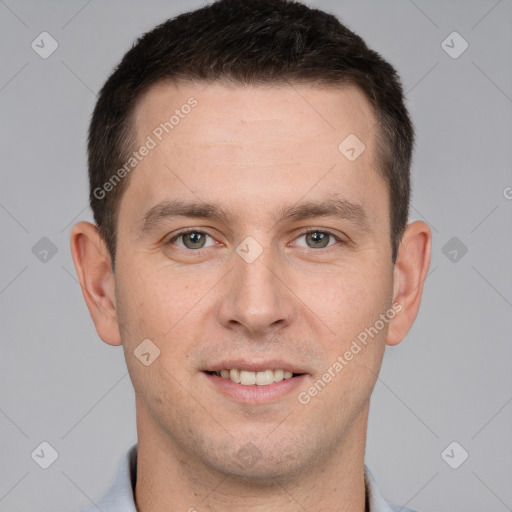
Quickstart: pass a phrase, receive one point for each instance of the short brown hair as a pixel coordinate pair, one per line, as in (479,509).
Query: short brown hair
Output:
(249,42)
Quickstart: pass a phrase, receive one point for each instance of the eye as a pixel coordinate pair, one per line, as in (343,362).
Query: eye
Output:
(195,239)
(317,239)
(192,239)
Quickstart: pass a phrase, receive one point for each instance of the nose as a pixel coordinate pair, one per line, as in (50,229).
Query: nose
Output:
(255,299)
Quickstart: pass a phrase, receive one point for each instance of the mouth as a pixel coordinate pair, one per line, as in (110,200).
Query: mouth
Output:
(253,378)
(255,383)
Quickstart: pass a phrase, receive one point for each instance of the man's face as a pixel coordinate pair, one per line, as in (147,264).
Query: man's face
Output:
(253,290)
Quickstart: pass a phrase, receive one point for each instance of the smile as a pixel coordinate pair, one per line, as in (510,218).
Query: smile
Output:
(250,378)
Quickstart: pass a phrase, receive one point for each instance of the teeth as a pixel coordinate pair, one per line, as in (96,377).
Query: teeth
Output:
(278,375)
(248,378)
(265,378)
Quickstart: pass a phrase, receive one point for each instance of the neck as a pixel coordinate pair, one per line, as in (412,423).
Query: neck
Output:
(169,478)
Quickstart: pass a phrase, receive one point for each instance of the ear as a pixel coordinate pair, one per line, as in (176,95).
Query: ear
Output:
(410,272)
(93,267)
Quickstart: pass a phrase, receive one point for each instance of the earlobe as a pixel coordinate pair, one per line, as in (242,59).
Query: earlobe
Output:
(93,267)
(410,272)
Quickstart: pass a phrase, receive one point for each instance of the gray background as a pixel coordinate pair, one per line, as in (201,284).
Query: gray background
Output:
(450,380)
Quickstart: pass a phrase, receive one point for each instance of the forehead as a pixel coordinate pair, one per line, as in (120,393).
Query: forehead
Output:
(323,111)
(254,142)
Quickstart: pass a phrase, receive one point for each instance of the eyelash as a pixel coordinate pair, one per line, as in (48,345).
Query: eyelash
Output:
(309,230)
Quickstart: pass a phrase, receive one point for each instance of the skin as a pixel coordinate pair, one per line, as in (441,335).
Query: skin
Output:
(253,151)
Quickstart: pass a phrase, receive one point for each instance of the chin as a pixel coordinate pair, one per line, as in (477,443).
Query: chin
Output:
(263,462)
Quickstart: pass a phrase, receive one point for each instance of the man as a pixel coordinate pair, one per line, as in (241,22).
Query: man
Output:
(249,177)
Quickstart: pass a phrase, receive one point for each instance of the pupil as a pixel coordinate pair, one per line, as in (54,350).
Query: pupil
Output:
(320,239)
(195,239)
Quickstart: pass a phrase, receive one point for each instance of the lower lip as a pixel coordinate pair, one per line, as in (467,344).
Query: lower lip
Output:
(255,394)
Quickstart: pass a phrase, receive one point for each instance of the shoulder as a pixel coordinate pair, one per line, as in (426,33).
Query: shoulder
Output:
(375,499)
(120,496)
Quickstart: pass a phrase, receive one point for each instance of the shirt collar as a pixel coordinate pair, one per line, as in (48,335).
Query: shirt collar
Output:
(120,496)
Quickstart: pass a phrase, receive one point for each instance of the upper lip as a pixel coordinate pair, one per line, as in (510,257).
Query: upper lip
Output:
(255,366)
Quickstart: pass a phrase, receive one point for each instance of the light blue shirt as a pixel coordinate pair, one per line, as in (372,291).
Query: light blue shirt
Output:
(119,498)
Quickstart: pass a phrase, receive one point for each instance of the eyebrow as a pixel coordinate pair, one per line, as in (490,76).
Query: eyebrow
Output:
(335,207)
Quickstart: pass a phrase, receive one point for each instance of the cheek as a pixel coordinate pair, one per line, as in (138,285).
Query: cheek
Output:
(166,308)
(351,298)
(153,299)
(152,308)
(351,306)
